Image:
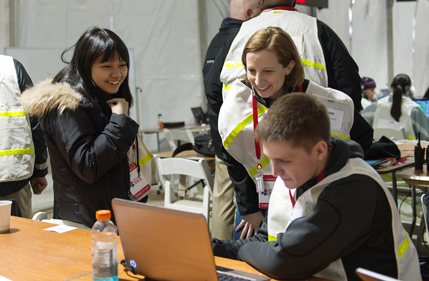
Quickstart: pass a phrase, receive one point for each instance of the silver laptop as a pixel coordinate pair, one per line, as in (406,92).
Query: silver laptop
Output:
(165,244)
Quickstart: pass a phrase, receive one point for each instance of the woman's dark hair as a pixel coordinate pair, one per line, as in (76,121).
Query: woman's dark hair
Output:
(95,42)
(400,86)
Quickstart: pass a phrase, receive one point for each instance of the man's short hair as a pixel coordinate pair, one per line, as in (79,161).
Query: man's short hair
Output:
(298,118)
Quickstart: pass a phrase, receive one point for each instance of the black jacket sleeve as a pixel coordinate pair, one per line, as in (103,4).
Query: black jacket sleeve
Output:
(89,153)
(361,132)
(245,189)
(343,72)
(40,165)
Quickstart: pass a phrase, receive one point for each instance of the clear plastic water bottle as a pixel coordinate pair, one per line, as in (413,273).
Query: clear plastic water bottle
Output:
(104,248)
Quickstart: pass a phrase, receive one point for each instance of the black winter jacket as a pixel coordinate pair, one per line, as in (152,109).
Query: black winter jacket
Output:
(87,149)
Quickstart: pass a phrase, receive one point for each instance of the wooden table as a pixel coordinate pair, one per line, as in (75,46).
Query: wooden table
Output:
(29,252)
(193,127)
(414,178)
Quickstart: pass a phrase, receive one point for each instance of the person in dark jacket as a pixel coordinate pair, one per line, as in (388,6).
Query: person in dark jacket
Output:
(84,116)
(223,208)
(329,212)
(342,74)
(16,80)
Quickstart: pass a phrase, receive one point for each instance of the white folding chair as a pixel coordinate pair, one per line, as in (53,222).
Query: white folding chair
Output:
(173,136)
(197,170)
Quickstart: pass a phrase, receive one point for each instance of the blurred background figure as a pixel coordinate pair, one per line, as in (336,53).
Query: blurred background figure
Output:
(368,91)
(398,111)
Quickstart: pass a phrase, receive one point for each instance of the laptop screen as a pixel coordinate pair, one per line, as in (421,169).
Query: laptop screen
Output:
(424,104)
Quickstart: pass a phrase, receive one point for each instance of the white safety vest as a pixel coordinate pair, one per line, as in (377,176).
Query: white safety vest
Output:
(235,122)
(302,29)
(16,142)
(383,119)
(281,215)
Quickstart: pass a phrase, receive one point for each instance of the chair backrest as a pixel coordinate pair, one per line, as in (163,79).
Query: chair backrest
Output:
(198,169)
(425,206)
(178,135)
(391,133)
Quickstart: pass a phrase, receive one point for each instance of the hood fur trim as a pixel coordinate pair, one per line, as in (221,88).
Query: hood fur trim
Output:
(46,97)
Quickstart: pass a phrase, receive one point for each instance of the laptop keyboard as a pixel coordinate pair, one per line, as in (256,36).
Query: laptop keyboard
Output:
(225,277)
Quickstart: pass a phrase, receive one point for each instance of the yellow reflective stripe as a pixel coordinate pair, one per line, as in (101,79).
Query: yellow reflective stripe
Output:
(313,64)
(264,162)
(226,87)
(411,137)
(145,159)
(241,126)
(340,136)
(404,247)
(234,65)
(16,151)
(13,113)
(272,238)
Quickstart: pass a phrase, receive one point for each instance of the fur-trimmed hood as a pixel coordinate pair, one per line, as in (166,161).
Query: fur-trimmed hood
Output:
(46,97)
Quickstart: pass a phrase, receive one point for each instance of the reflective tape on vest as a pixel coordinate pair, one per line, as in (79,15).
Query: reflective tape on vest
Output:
(13,113)
(313,64)
(16,151)
(340,136)
(145,159)
(404,247)
(241,126)
(264,162)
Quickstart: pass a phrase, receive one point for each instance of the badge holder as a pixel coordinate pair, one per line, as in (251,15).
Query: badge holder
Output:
(139,186)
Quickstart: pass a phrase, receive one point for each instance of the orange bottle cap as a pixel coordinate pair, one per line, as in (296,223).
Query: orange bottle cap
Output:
(103,215)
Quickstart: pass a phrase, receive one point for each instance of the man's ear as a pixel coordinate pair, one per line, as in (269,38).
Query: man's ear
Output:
(321,150)
(249,13)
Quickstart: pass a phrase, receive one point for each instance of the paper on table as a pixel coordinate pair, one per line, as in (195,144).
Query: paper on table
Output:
(60,228)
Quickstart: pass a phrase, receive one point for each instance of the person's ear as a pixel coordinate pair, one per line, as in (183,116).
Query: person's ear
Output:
(248,14)
(321,150)
(290,67)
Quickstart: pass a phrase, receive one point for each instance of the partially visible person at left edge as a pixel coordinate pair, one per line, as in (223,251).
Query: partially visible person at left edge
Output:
(84,116)
(23,152)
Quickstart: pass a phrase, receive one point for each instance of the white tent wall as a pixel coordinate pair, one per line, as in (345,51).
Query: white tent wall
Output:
(164,34)
(169,39)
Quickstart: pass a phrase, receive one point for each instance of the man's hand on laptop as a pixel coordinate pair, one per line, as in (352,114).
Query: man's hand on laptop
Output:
(250,224)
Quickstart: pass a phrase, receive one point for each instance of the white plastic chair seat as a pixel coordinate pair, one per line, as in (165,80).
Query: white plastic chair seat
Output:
(198,170)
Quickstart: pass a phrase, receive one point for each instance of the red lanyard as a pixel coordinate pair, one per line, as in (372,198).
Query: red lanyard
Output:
(281,8)
(255,124)
(319,178)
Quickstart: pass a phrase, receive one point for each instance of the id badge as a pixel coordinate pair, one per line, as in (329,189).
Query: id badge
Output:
(259,179)
(139,187)
(264,196)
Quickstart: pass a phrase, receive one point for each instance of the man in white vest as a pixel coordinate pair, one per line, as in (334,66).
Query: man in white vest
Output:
(316,223)
(23,153)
